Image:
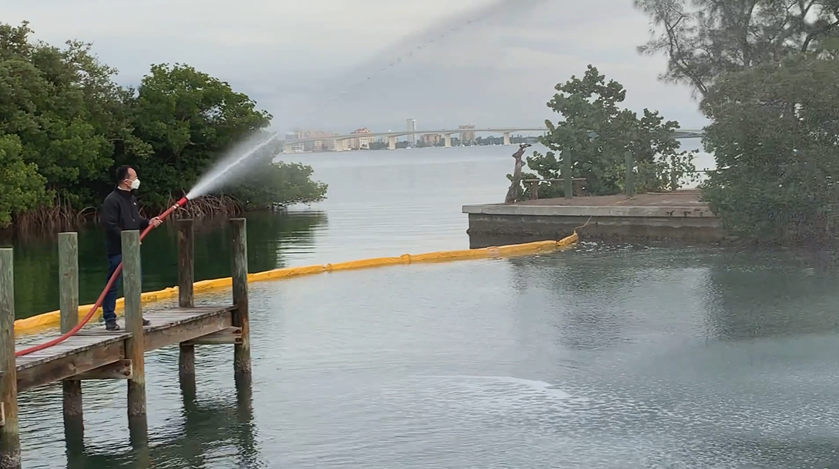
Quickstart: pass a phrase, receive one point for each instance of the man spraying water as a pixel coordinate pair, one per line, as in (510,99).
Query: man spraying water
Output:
(119,212)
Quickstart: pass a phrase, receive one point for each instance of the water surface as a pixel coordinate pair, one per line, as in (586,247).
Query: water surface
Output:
(599,357)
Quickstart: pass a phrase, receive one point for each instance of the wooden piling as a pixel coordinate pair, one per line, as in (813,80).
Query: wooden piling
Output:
(239,274)
(567,175)
(68,301)
(9,431)
(134,346)
(630,173)
(186,299)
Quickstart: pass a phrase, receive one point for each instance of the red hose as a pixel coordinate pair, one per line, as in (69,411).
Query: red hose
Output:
(101,298)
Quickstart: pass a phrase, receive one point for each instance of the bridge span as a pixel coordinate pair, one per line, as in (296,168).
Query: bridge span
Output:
(361,140)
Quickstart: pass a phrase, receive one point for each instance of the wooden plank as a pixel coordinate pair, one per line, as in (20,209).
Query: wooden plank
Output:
(91,349)
(67,366)
(2,415)
(9,432)
(120,369)
(168,319)
(188,330)
(74,345)
(230,335)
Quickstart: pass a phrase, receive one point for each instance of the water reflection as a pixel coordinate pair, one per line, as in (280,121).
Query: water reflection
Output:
(271,237)
(752,295)
(205,432)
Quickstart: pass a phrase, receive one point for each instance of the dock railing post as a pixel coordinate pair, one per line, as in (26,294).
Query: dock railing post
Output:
(630,174)
(567,176)
(134,346)
(186,299)
(9,431)
(68,301)
(239,274)
(674,175)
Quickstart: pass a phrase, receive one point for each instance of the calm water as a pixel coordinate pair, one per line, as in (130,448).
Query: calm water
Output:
(600,357)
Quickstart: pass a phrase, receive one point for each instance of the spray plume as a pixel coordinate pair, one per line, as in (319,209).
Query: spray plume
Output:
(245,156)
(416,44)
(237,164)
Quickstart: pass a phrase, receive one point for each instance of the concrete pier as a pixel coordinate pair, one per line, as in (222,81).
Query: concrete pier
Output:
(673,216)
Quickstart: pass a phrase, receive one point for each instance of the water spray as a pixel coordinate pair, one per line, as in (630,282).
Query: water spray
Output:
(225,171)
(232,166)
(417,43)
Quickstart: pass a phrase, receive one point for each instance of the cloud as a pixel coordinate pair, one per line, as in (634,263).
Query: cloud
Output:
(308,62)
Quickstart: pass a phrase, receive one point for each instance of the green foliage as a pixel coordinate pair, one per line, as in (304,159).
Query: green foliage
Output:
(596,134)
(774,136)
(73,125)
(21,187)
(705,38)
(188,119)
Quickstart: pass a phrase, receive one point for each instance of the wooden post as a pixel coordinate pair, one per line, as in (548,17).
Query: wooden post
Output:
(630,174)
(239,273)
(674,177)
(9,432)
(134,346)
(68,293)
(186,299)
(566,174)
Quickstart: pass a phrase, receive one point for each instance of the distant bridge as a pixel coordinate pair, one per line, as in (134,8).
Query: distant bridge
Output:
(340,142)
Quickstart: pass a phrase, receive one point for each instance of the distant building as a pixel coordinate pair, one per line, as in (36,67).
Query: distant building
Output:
(412,127)
(318,141)
(293,148)
(467,133)
(431,139)
(364,139)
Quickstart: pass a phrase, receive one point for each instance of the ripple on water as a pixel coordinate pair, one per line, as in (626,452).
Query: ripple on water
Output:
(636,358)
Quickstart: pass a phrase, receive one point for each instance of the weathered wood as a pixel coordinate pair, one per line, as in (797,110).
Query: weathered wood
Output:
(70,365)
(186,299)
(2,414)
(120,369)
(134,346)
(9,432)
(231,335)
(92,349)
(630,173)
(187,330)
(674,174)
(68,294)
(567,174)
(80,342)
(99,354)
(239,273)
(186,264)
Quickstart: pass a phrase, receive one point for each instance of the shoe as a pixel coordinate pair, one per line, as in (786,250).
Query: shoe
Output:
(113,326)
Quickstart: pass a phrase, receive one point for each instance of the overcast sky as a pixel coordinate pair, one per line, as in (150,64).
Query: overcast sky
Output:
(297,57)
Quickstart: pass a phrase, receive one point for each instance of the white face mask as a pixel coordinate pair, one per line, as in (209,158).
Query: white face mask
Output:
(135,184)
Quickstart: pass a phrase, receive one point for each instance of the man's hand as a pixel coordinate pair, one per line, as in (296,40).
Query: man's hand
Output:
(155,222)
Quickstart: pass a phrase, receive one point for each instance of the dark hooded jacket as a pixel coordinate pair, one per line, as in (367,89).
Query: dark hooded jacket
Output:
(120,212)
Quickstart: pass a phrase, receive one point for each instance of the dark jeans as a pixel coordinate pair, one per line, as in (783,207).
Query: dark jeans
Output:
(109,303)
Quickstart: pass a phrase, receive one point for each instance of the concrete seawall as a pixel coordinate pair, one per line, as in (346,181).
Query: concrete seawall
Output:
(668,217)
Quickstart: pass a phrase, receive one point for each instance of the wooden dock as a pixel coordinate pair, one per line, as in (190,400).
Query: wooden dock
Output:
(677,217)
(94,353)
